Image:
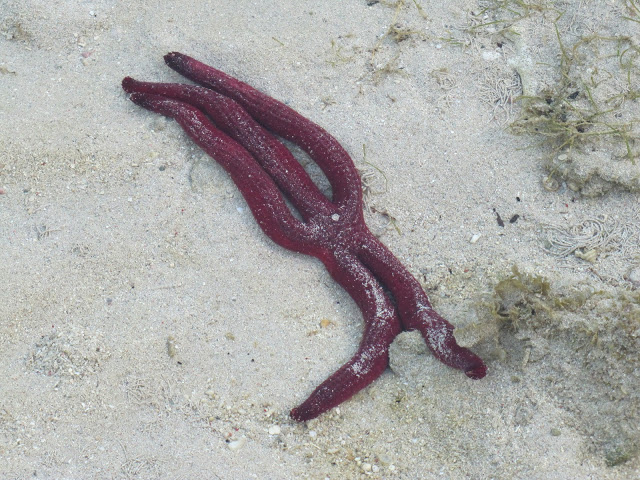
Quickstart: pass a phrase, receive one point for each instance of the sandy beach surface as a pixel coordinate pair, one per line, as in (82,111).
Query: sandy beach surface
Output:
(149,329)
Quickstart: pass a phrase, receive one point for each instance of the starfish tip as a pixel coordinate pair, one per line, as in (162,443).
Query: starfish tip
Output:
(127,84)
(173,58)
(295,415)
(476,372)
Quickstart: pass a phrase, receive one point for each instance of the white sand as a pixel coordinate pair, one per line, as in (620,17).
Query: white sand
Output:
(117,236)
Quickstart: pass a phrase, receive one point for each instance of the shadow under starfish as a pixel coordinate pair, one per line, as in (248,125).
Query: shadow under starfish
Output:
(235,124)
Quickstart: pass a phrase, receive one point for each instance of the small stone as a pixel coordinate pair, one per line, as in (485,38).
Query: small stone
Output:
(563,157)
(474,238)
(366,467)
(618,452)
(159,124)
(633,276)
(324,323)
(573,186)
(490,55)
(555,432)
(274,430)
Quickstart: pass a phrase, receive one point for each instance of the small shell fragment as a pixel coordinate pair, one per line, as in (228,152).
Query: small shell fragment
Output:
(171,346)
(474,238)
(551,184)
(236,444)
(590,255)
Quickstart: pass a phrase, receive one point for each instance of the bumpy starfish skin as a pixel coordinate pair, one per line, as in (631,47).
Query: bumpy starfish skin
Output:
(235,124)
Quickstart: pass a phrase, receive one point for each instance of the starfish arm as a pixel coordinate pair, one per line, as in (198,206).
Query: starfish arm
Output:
(259,190)
(325,150)
(381,327)
(415,310)
(232,119)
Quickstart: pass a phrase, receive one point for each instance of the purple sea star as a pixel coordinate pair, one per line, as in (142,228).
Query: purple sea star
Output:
(235,124)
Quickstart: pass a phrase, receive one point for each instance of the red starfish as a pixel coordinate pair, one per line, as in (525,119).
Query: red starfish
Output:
(333,230)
